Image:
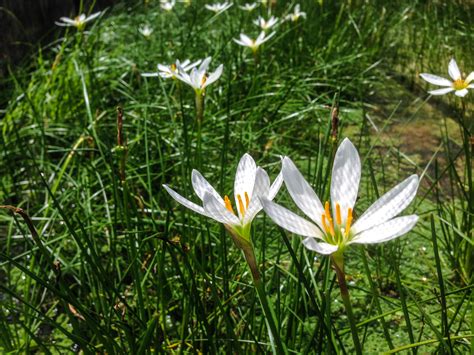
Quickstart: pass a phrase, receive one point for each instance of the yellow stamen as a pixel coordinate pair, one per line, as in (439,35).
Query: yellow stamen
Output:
(241,205)
(203,80)
(460,84)
(173,67)
(326,210)
(247,200)
(331,227)
(349,221)
(338,214)
(325,225)
(228,205)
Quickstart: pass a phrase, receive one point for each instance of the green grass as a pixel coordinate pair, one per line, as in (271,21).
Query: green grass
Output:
(121,268)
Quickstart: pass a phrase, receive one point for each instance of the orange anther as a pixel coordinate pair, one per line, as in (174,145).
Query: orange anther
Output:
(228,205)
(241,205)
(338,214)
(348,222)
(247,200)
(325,225)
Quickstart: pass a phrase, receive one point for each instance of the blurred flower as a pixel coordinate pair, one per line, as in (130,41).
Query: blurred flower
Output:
(265,24)
(251,183)
(79,21)
(145,30)
(458,85)
(167,5)
(218,7)
(199,79)
(246,41)
(337,230)
(296,14)
(171,71)
(249,6)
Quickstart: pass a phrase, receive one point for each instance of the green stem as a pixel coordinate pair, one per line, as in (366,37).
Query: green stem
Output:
(270,318)
(199,118)
(341,278)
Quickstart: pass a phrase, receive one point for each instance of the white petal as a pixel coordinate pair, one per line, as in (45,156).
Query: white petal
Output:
(345,178)
(217,211)
(185,202)
(260,190)
(290,221)
(205,64)
(388,206)
(150,75)
(68,20)
(201,186)
(469,78)
(214,76)
(386,231)
(461,93)
(436,80)
(453,70)
(303,195)
(93,16)
(440,91)
(244,178)
(275,186)
(321,248)
(240,42)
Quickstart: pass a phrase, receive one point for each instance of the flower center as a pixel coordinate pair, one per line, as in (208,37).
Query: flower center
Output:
(203,80)
(336,233)
(242,208)
(460,84)
(173,67)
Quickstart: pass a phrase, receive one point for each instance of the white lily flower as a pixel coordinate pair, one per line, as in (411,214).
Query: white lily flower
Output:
(337,230)
(79,21)
(458,85)
(171,71)
(199,79)
(218,7)
(251,183)
(296,14)
(249,6)
(266,24)
(246,41)
(145,30)
(167,5)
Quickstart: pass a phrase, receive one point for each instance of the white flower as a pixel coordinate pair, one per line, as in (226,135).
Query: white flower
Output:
(79,21)
(458,85)
(199,79)
(296,14)
(171,71)
(246,41)
(265,24)
(218,7)
(337,230)
(167,5)
(145,30)
(249,6)
(251,183)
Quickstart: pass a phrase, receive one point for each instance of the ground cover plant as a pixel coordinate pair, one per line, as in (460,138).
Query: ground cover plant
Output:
(150,102)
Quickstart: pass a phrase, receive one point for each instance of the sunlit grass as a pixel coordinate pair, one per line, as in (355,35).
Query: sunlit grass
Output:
(119,267)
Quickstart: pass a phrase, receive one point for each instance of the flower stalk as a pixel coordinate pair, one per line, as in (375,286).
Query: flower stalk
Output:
(338,263)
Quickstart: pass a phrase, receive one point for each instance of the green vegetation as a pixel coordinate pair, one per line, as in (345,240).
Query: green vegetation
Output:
(103,260)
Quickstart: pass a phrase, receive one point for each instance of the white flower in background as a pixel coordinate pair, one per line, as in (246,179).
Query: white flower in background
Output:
(251,183)
(249,6)
(145,30)
(458,85)
(246,41)
(79,21)
(296,14)
(167,5)
(199,78)
(218,7)
(336,230)
(266,24)
(171,71)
